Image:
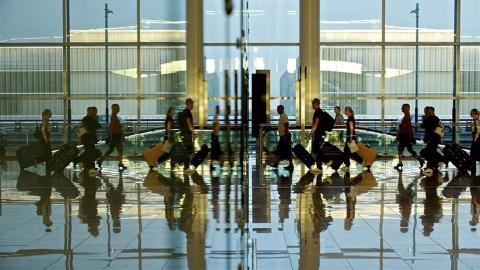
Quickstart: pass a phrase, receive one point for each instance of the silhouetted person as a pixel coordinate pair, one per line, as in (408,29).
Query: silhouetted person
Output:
(88,204)
(433,203)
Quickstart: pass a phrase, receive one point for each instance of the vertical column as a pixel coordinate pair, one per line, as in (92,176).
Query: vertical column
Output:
(309,57)
(195,79)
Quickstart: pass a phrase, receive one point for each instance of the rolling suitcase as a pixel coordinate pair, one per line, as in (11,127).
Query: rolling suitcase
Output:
(367,154)
(153,154)
(304,156)
(198,158)
(329,152)
(459,158)
(27,154)
(60,160)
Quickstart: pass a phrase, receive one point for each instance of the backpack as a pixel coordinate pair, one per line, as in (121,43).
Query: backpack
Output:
(327,121)
(178,120)
(440,130)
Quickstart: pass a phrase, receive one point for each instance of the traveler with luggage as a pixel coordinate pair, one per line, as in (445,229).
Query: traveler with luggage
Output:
(89,139)
(116,136)
(284,149)
(187,133)
(351,137)
(45,139)
(434,159)
(317,134)
(475,145)
(405,138)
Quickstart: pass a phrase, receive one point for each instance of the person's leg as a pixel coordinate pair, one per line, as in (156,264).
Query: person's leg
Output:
(121,166)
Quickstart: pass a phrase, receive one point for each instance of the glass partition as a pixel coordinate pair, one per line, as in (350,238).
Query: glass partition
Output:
(435,20)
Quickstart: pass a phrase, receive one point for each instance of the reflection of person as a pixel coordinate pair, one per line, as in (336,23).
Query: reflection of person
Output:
(475,202)
(284,149)
(116,136)
(216,151)
(433,203)
(44,205)
(45,140)
(188,212)
(351,200)
(475,146)
(351,137)
(116,198)
(88,204)
(404,199)
(405,138)
(284,188)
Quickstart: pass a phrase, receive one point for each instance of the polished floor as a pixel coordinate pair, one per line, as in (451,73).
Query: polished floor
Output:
(141,219)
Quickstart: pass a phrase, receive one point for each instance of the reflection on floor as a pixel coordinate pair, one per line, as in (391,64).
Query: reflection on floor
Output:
(141,219)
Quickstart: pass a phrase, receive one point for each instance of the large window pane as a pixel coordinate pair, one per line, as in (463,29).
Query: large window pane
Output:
(163,20)
(89,20)
(222,73)
(30,72)
(218,27)
(274,20)
(435,20)
(470,21)
(163,71)
(281,61)
(470,71)
(30,21)
(350,71)
(88,72)
(350,20)
(435,71)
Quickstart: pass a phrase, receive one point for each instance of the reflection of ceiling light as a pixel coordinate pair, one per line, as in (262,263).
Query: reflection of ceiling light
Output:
(131,72)
(173,67)
(291,12)
(340,66)
(210,66)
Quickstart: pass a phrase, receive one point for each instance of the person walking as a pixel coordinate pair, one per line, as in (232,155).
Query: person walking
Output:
(475,145)
(284,147)
(187,132)
(429,123)
(45,140)
(351,137)
(317,133)
(405,138)
(339,120)
(116,136)
(89,139)
(216,150)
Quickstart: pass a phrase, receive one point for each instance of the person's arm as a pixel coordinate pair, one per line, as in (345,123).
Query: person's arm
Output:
(352,130)
(169,128)
(314,127)
(286,125)
(190,125)
(43,128)
(477,134)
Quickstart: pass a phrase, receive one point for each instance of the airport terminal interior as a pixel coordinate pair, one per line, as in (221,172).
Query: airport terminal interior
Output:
(245,57)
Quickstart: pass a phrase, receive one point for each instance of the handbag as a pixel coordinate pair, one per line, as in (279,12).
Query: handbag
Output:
(352,146)
(38,133)
(167,146)
(81,130)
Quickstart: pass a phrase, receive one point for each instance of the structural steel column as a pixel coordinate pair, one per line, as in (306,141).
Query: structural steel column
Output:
(195,80)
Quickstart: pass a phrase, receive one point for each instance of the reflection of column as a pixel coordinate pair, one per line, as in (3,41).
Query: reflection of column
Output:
(309,237)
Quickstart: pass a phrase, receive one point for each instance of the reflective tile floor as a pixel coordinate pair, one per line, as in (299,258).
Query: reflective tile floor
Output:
(141,219)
